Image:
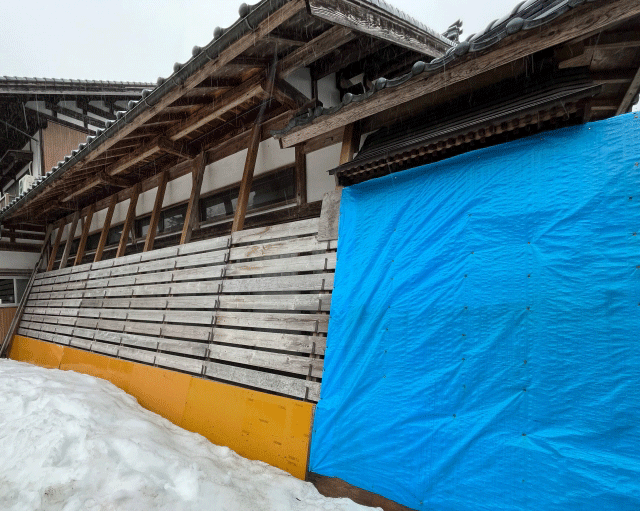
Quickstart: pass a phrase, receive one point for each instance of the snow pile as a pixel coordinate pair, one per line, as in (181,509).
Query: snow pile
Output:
(73,442)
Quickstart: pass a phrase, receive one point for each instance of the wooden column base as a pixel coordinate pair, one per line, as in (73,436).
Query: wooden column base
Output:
(334,487)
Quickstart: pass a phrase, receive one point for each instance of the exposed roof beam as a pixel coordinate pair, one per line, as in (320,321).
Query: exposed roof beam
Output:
(74,115)
(314,50)
(614,41)
(582,19)
(618,76)
(245,42)
(116,181)
(226,102)
(254,62)
(177,149)
(288,95)
(632,92)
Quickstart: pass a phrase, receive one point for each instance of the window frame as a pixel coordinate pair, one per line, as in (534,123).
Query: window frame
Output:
(17,298)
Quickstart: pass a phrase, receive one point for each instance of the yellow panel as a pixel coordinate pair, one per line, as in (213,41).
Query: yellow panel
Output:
(85,362)
(256,425)
(160,390)
(36,352)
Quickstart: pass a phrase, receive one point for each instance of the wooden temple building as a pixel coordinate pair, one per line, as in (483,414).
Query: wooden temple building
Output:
(184,250)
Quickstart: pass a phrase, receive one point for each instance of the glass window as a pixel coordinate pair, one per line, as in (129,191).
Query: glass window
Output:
(273,189)
(113,238)
(92,241)
(12,289)
(142,226)
(173,219)
(7,291)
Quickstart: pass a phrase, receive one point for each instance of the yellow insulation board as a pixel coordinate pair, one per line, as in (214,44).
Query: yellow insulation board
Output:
(256,425)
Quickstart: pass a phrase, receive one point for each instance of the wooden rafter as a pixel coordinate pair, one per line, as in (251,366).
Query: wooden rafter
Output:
(85,234)
(245,42)
(315,49)
(191,218)
(157,210)
(105,229)
(583,19)
(128,222)
(630,94)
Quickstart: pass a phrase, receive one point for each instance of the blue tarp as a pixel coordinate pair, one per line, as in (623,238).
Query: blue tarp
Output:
(484,344)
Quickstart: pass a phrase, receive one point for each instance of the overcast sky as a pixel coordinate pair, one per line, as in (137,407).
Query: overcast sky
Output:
(139,40)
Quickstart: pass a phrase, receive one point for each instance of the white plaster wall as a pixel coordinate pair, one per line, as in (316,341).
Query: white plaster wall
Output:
(319,181)
(18,260)
(328,92)
(301,80)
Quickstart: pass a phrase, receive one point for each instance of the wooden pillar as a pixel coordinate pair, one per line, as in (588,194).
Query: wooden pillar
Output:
(247,178)
(105,229)
(191,218)
(85,233)
(72,233)
(301,176)
(128,222)
(56,244)
(350,142)
(155,214)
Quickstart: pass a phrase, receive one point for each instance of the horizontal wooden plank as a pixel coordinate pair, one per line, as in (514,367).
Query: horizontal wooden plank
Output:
(277,361)
(260,234)
(294,283)
(279,248)
(265,381)
(265,320)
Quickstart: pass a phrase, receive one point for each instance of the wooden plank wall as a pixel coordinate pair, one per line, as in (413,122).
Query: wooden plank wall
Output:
(6,316)
(251,308)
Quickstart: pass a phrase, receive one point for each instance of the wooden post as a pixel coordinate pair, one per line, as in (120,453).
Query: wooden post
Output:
(128,222)
(105,229)
(155,214)
(85,233)
(56,244)
(301,176)
(70,236)
(350,142)
(191,218)
(247,178)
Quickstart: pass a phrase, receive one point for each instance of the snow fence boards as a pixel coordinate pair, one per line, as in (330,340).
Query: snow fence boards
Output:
(483,348)
(250,309)
(256,425)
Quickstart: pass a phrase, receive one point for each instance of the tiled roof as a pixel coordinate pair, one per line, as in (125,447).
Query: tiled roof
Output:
(526,15)
(250,16)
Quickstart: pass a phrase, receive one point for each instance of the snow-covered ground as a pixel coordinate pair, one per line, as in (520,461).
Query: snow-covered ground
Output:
(69,441)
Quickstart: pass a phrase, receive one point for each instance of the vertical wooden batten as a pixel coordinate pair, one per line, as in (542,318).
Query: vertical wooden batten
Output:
(85,234)
(157,210)
(71,235)
(301,176)
(247,178)
(105,229)
(128,223)
(191,218)
(56,244)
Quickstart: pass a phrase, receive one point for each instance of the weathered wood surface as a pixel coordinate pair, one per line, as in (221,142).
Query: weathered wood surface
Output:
(250,309)
(579,22)
(330,216)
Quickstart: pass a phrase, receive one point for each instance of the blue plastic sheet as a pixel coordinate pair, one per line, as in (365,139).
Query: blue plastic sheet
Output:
(484,344)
